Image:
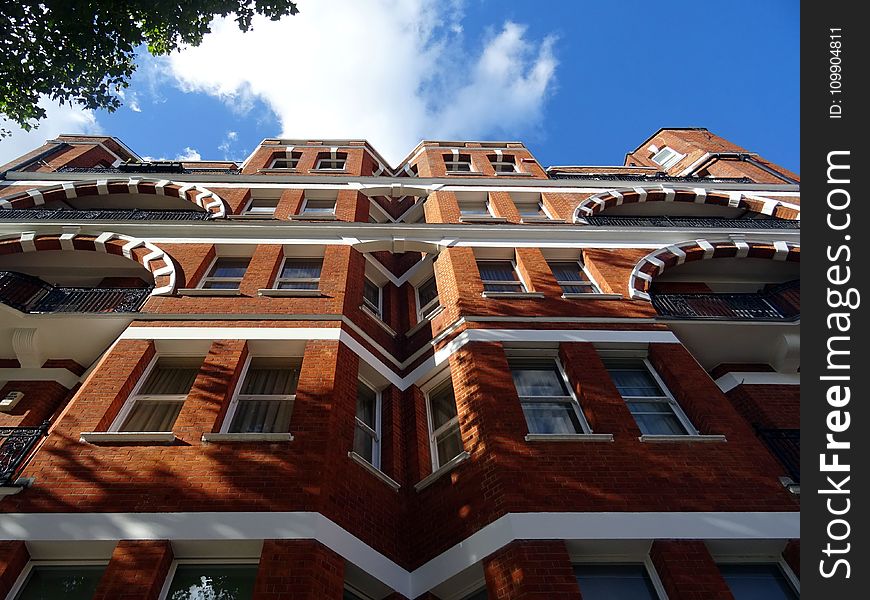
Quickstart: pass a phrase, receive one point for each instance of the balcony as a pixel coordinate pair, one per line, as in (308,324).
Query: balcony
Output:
(691,222)
(30,294)
(66,214)
(780,303)
(785,444)
(152,167)
(16,444)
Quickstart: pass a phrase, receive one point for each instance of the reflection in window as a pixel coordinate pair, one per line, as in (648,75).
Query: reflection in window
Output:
(213,582)
(614,582)
(66,582)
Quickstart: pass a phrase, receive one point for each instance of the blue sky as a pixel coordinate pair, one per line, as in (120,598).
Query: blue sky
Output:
(579,82)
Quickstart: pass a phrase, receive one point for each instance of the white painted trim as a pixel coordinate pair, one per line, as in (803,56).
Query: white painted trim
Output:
(66,378)
(373,470)
(728,381)
(123,437)
(224,436)
(442,470)
(569,437)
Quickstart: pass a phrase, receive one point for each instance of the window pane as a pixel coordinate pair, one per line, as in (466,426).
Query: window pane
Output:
(757,582)
(656,418)
(443,404)
(530,210)
(271,377)
(262,206)
(551,417)
(364,444)
(213,582)
(567,271)
(635,382)
(428,292)
(474,208)
(67,582)
(262,416)
(297,285)
(614,582)
(221,285)
(372,294)
(301,268)
(168,379)
(497,270)
(538,380)
(312,205)
(449,444)
(366,404)
(152,415)
(230,267)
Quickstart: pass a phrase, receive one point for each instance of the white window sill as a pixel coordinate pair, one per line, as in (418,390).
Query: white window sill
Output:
(682,438)
(482,219)
(282,293)
(463,173)
(335,171)
(277,170)
(541,220)
(377,319)
(373,470)
(569,437)
(591,296)
(512,295)
(251,217)
(208,292)
(313,217)
(114,437)
(424,321)
(514,174)
(247,437)
(444,469)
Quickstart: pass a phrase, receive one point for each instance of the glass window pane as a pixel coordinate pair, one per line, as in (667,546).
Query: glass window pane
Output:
(614,582)
(635,382)
(757,582)
(372,294)
(364,444)
(262,416)
(428,291)
(298,285)
(497,270)
(213,582)
(271,377)
(538,380)
(652,421)
(262,206)
(315,205)
(230,267)
(166,378)
(366,404)
(567,271)
(449,444)
(551,417)
(151,415)
(443,404)
(301,268)
(221,285)
(474,208)
(67,582)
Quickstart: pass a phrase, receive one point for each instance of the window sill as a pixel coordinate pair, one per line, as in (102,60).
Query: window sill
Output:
(313,217)
(378,320)
(251,217)
(277,170)
(513,295)
(443,470)
(335,171)
(591,296)
(373,470)
(10,490)
(115,437)
(489,219)
(569,437)
(514,174)
(208,292)
(682,438)
(424,321)
(464,173)
(527,220)
(246,437)
(284,293)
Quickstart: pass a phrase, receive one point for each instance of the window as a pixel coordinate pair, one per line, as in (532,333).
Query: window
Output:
(261,207)
(667,157)
(572,277)
(532,210)
(499,276)
(503,164)
(201,581)
(366,439)
(265,399)
(614,582)
(225,274)
(427,298)
(547,404)
(155,405)
(372,296)
(481,594)
(457,163)
(299,274)
(291,161)
(446,440)
(318,206)
(653,408)
(475,209)
(759,581)
(70,582)
(334,162)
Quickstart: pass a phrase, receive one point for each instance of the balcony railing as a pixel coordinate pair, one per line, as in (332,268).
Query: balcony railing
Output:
(781,303)
(692,222)
(785,444)
(16,444)
(32,295)
(151,168)
(68,214)
(657,177)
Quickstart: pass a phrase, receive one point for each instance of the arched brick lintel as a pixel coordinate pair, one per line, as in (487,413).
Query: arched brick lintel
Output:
(757,204)
(658,261)
(200,196)
(145,253)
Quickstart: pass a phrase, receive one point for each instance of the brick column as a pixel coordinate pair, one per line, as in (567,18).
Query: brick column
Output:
(531,570)
(687,571)
(136,571)
(13,558)
(503,206)
(299,570)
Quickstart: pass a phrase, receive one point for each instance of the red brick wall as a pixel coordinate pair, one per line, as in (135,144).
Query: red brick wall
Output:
(687,571)
(13,558)
(136,571)
(768,406)
(531,570)
(298,570)
(41,401)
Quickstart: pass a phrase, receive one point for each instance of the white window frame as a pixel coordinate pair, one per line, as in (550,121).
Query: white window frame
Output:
(544,355)
(645,560)
(292,162)
(24,576)
(424,313)
(303,210)
(238,396)
(135,397)
(333,158)
(501,162)
(254,213)
(668,397)
(453,161)
(474,215)
(173,567)
(784,567)
(379,310)
(513,261)
(208,278)
(375,433)
(596,289)
(279,279)
(671,158)
(430,386)
(545,216)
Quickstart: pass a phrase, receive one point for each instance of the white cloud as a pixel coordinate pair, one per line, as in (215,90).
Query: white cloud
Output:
(226,145)
(390,71)
(59,119)
(189,154)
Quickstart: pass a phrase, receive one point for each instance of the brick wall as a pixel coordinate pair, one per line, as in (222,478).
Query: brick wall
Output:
(531,570)
(298,570)
(13,558)
(136,571)
(687,571)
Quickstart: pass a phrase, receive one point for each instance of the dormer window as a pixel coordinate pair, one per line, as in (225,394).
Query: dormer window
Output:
(457,163)
(503,164)
(667,157)
(335,161)
(290,161)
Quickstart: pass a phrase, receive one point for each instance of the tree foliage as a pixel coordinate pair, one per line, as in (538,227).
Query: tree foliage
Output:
(83,51)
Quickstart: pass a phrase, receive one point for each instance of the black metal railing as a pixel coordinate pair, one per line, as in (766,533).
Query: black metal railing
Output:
(781,303)
(657,177)
(16,444)
(69,214)
(32,295)
(785,444)
(150,168)
(693,222)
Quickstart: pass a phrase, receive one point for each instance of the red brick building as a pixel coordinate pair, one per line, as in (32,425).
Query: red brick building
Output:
(313,375)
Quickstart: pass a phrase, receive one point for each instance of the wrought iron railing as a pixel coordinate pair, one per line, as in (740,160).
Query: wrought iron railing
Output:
(149,168)
(693,222)
(781,303)
(785,444)
(648,178)
(32,295)
(68,214)
(16,443)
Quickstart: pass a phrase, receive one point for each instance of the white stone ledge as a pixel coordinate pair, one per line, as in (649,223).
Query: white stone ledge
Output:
(127,437)
(682,438)
(595,296)
(209,292)
(513,295)
(443,470)
(569,437)
(247,437)
(252,217)
(424,321)
(482,219)
(381,323)
(313,217)
(373,470)
(288,293)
